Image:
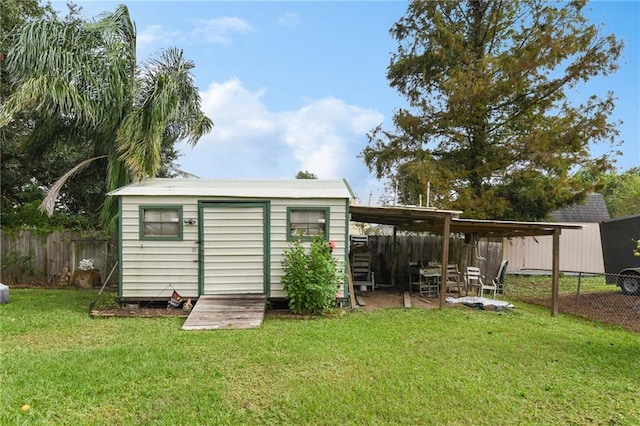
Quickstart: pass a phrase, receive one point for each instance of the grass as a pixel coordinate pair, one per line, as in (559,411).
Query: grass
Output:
(393,366)
(534,286)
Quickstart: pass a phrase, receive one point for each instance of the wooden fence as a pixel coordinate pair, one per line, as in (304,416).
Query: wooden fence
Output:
(28,258)
(428,248)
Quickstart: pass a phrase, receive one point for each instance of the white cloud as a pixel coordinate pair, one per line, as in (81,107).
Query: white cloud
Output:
(250,141)
(327,134)
(244,141)
(289,20)
(239,112)
(157,34)
(221,30)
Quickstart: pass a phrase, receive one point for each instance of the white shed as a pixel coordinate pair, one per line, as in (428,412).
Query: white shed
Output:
(581,250)
(211,237)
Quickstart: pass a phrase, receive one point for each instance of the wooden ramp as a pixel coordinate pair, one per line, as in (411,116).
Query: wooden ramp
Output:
(227,311)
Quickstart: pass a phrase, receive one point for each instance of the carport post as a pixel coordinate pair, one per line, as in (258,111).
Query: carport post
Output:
(446,231)
(474,249)
(555,274)
(394,258)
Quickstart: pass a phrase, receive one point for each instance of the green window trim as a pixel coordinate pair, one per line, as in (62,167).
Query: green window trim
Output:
(177,236)
(307,224)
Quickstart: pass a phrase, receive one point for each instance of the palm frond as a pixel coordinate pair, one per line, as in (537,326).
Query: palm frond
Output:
(117,176)
(94,60)
(139,142)
(49,202)
(84,74)
(52,96)
(167,109)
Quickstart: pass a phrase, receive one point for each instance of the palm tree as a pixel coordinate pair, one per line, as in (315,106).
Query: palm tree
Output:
(81,78)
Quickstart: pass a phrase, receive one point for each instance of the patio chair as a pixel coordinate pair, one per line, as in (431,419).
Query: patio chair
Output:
(361,271)
(454,279)
(475,279)
(498,281)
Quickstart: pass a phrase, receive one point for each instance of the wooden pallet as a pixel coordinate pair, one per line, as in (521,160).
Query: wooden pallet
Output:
(214,312)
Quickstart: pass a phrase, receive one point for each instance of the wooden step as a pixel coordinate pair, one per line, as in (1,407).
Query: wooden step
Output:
(214,312)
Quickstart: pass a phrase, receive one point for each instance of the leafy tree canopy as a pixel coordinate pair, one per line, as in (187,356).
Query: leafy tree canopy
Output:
(303,174)
(22,176)
(80,86)
(489,121)
(622,192)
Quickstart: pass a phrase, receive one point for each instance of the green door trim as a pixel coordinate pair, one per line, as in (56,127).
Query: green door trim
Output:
(266,220)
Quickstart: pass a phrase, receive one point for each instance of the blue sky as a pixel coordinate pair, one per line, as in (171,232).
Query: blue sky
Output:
(295,85)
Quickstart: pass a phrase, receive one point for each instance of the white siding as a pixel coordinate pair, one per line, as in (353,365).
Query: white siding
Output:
(279,232)
(580,251)
(234,249)
(153,269)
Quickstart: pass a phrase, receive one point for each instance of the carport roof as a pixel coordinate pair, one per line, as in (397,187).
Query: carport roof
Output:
(423,219)
(448,221)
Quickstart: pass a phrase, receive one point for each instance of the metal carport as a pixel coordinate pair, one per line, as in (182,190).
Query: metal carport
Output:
(446,222)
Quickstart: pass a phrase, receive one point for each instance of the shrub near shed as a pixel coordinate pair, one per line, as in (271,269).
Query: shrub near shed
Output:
(310,279)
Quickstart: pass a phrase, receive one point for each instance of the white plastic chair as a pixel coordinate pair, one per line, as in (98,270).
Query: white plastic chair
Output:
(498,281)
(474,279)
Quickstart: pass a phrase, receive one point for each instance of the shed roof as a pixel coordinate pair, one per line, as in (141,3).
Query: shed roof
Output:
(238,188)
(593,210)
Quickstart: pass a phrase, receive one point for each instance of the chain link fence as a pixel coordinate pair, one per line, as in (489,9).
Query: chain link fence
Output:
(594,296)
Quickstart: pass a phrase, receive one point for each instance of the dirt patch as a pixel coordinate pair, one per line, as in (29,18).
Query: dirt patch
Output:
(140,313)
(389,299)
(610,307)
(373,301)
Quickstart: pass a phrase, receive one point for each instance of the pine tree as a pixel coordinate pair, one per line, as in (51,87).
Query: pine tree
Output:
(490,122)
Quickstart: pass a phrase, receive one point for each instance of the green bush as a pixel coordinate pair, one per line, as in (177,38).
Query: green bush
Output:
(310,279)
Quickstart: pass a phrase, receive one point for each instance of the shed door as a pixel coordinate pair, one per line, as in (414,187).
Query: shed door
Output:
(234,245)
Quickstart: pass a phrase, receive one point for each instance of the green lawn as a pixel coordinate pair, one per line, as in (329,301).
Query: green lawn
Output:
(540,285)
(393,366)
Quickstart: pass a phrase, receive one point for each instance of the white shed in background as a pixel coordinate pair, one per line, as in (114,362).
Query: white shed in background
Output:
(580,250)
(201,237)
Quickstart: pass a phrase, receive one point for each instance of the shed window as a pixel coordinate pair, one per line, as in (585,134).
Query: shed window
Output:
(161,222)
(308,222)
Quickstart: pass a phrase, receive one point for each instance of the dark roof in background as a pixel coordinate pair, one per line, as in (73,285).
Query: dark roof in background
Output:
(594,210)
